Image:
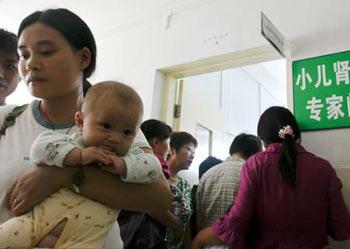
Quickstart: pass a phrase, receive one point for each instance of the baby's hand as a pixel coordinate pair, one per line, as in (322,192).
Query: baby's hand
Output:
(117,166)
(95,154)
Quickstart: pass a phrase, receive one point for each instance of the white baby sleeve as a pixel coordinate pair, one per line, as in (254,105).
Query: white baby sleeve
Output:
(141,167)
(51,148)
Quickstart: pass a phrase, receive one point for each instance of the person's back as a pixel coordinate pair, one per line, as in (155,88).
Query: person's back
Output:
(219,185)
(216,190)
(288,198)
(294,218)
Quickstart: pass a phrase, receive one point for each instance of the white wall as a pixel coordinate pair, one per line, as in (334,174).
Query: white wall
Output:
(241,101)
(198,108)
(133,55)
(227,103)
(330,144)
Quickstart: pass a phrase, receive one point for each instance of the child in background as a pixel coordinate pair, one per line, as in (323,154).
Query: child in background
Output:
(9,76)
(158,134)
(148,230)
(110,117)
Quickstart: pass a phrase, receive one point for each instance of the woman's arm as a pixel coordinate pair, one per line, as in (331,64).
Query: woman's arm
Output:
(35,185)
(338,217)
(111,191)
(40,182)
(167,219)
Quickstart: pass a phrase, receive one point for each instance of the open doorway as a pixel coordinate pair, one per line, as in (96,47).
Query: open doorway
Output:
(227,103)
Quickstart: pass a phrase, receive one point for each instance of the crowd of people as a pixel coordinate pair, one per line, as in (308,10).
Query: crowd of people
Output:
(81,169)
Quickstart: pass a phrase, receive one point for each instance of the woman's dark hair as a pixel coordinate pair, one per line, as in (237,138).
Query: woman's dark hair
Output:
(154,128)
(246,145)
(270,123)
(181,138)
(73,29)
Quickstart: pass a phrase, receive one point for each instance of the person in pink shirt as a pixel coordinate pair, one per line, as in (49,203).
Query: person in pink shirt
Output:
(158,134)
(288,197)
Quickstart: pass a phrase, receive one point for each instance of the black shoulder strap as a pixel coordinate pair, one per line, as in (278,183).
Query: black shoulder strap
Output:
(11,118)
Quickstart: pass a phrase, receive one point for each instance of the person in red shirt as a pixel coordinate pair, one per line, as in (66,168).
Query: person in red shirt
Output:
(288,197)
(158,134)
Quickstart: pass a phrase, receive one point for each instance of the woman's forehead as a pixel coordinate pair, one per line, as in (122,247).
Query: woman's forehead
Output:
(38,34)
(188,145)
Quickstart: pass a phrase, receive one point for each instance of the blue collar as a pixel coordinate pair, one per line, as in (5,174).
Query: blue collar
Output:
(42,121)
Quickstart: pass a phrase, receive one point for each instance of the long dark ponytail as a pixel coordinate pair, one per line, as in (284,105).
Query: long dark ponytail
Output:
(278,125)
(86,86)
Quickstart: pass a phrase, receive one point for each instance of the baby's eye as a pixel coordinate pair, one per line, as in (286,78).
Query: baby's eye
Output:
(106,125)
(128,132)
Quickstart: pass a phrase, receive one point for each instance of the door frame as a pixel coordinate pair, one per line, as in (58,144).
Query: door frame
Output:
(213,64)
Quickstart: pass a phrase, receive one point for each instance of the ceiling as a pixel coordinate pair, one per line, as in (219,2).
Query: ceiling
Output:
(100,16)
(308,16)
(300,21)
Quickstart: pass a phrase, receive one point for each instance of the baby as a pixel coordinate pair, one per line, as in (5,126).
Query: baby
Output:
(110,117)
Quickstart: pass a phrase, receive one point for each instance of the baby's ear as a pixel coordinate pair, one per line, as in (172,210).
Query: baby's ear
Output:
(79,119)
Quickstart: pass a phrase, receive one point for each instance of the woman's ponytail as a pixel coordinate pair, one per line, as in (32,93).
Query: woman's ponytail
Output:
(86,86)
(287,160)
(278,125)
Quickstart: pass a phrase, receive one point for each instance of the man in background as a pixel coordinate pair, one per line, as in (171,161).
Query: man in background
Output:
(219,185)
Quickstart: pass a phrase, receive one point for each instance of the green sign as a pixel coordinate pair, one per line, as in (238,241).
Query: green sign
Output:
(321,88)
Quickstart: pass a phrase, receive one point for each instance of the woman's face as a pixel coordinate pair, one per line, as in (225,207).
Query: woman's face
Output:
(48,64)
(184,156)
(161,146)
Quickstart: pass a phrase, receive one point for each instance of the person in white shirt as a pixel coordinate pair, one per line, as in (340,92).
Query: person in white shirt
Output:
(110,117)
(57,55)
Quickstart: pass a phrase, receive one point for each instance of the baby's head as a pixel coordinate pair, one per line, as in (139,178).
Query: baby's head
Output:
(110,116)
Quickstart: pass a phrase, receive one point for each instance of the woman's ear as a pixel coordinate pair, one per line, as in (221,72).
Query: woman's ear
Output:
(153,142)
(85,58)
(79,120)
(172,152)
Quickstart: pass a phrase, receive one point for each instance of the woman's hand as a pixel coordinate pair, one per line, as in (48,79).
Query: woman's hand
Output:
(36,185)
(205,237)
(196,244)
